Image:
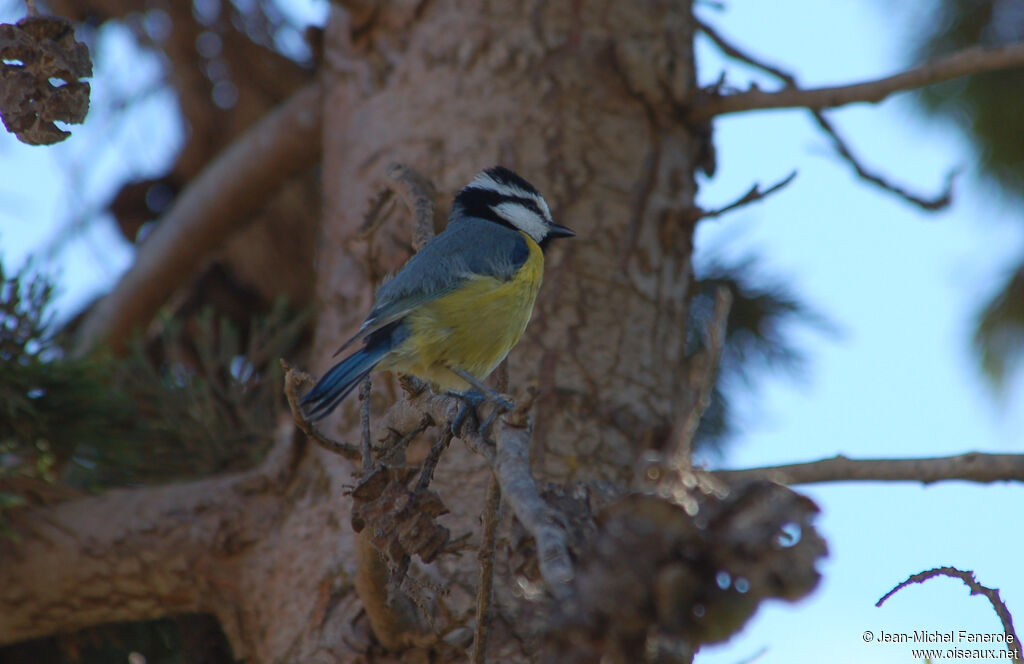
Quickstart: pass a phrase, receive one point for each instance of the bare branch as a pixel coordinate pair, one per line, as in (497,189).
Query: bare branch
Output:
(219,202)
(1013,644)
(296,381)
(934,203)
(974,60)
(970,467)
(701,379)
(430,463)
(755,194)
(485,583)
(418,193)
(737,53)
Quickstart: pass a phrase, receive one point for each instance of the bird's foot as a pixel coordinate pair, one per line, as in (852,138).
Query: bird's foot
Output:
(471,402)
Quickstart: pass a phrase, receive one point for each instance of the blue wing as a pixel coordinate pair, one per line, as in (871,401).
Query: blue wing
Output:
(468,247)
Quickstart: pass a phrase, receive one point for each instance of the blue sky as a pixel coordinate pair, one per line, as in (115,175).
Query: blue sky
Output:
(899,380)
(901,285)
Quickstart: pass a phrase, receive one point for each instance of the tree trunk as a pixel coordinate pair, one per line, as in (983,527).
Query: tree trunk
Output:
(580,98)
(585,100)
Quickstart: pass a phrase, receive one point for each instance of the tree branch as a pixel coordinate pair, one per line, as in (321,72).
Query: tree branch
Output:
(138,554)
(701,375)
(509,458)
(219,202)
(970,467)
(1013,645)
(418,194)
(937,202)
(974,60)
(841,146)
(752,196)
(296,381)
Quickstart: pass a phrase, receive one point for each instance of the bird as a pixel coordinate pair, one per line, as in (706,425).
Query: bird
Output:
(458,305)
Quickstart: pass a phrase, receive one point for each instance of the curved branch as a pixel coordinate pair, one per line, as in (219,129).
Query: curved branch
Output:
(1013,645)
(219,202)
(970,467)
(974,60)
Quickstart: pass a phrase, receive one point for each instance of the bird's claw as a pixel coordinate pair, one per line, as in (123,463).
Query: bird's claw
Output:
(472,400)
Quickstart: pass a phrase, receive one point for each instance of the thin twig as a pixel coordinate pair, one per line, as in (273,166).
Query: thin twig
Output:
(485,583)
(701,379)
(735,52)
(392,448)
(974,60)
(752,196)
(430,463)
(1013,645)
(936,202)
(509,458)
(217,203)
(364,421)
(294,382)
(418,193)
(971,467)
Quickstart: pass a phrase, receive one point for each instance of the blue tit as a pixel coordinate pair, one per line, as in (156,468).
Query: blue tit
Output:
(459,305)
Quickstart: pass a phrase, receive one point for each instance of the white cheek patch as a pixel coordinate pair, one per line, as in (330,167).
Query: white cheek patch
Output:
(522,218)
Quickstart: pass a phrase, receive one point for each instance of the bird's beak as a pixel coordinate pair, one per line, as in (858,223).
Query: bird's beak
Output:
(557,230)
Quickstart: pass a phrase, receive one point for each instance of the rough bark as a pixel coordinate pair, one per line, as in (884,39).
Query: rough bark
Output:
(582,100)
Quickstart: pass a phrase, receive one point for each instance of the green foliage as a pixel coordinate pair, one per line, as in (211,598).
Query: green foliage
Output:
(200,399)
(987,107)
(999,335)
(757,338)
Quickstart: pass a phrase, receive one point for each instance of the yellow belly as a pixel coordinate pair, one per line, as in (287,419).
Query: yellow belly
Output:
(473,328)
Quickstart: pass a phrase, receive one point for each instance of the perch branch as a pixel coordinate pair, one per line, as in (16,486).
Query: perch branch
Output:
(841,146)
(970,467)
(509,458)
(219,202)
(968,61)
(1013,644)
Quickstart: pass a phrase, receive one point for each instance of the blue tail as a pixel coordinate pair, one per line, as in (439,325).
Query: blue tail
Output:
(340,380)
